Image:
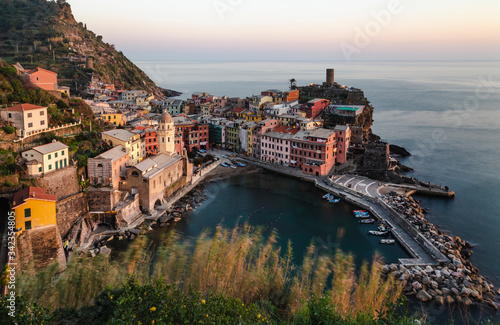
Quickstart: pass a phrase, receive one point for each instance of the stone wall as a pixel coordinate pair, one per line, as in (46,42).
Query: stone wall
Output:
(42,247)
(62,183)
(103,199)
(376,156)
(69,210)
(175,187)
(127,211)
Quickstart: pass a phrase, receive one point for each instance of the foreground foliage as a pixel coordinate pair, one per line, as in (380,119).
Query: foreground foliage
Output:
(234,276)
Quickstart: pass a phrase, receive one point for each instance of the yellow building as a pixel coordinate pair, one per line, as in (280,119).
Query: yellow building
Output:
(254,117)
(129,140)
(117,119)
(34,209)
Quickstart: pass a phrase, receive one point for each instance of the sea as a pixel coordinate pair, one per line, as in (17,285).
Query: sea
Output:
(446,114)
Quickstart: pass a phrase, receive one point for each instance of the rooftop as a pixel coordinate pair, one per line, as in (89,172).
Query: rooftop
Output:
(114,154)
(342,128)
(50,147)
(120,134)
(23,107)
(150,166)
(31,192)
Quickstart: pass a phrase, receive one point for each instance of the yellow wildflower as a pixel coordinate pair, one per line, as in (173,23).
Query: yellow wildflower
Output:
(203,301)
(207,315)
(153,321)
(258,316)
(152,309)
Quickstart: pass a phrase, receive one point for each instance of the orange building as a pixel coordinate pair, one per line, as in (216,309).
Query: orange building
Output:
(291,96)
(44,79)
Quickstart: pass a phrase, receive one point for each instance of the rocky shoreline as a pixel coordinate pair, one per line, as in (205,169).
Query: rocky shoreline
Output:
(455,282)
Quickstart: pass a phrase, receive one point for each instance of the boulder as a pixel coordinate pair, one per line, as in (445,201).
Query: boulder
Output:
(439,300)
(104,250)
(465,292)
(416,285)
(445,291)
(426,280)
(449,300)
(423,295)
(386,269)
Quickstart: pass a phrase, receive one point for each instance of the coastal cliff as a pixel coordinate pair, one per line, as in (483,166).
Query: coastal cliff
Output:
(45,34)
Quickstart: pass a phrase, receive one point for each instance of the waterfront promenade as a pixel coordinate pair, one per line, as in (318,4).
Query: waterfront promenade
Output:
(364,193)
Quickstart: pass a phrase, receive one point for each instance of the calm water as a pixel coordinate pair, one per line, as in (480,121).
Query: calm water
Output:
(294,208)
(446,114)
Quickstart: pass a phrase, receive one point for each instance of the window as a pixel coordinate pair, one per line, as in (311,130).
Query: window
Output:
(27,213)
(30,125)
(42,122)
(50,167)
(62,153)
(55,154)
(57,164)
(30,114)
(27,225)
(42,113)
(10,115)
(39,169)
(50,156)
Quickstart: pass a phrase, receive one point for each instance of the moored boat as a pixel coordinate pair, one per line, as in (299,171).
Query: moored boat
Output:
(387,241)
(326,196)
(224,165)
(358,211)
(334,201)
(377,233)
(362,216)
(367,221)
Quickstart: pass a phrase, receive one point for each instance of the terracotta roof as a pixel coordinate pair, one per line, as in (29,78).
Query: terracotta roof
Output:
(31,192)
(285,129)
(238,110)
(39,69)
(23,107)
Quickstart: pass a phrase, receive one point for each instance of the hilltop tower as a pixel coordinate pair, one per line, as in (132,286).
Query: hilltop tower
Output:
(330,77)
(166,134)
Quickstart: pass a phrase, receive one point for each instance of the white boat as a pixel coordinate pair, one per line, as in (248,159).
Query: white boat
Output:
(378,233)
(387,241)
(326,196)
(334,201)
(359,211)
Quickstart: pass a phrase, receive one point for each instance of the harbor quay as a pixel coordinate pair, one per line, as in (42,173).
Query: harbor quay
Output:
(439,269)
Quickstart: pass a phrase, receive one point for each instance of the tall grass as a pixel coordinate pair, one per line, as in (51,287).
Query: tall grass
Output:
(239,263)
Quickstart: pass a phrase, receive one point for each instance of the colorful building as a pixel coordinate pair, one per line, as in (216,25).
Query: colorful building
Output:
(107,168)
(194,135)
(34,209)
(314,152)
(26,118)
(316,106)
(44,79)
(291,95)
(343,135)
(275,145)
(127,139)
(117,119)
(46,158)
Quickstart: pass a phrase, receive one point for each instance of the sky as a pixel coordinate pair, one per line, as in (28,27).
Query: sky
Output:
(351,30)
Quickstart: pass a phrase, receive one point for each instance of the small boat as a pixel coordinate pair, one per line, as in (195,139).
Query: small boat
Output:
(334,201)
(224,165)
(232,166)
(367,221)
(377,233)
(326,196)
(387,241)
(362,216)
(241,165)
(358,211)
(382,228)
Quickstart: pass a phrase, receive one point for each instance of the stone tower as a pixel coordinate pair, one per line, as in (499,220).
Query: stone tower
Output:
(166,134)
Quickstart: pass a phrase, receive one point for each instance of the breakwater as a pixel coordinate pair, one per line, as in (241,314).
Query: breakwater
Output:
(439,269)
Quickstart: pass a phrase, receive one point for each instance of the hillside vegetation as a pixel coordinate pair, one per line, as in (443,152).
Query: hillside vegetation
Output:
(45,34)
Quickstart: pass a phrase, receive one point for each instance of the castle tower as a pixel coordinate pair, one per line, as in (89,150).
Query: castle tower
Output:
(329,77)
(166,134)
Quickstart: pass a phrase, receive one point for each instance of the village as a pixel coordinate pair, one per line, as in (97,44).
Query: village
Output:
(155,152)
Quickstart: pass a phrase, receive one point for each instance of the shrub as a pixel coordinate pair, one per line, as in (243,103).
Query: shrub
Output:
(9,129)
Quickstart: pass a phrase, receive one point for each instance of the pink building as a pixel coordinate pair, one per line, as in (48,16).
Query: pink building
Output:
(343,135)
(257,135)
(314,152)
(316,106)
(275,145)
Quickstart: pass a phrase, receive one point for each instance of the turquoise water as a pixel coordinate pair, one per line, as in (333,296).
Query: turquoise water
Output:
(294,208)
(446,113)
